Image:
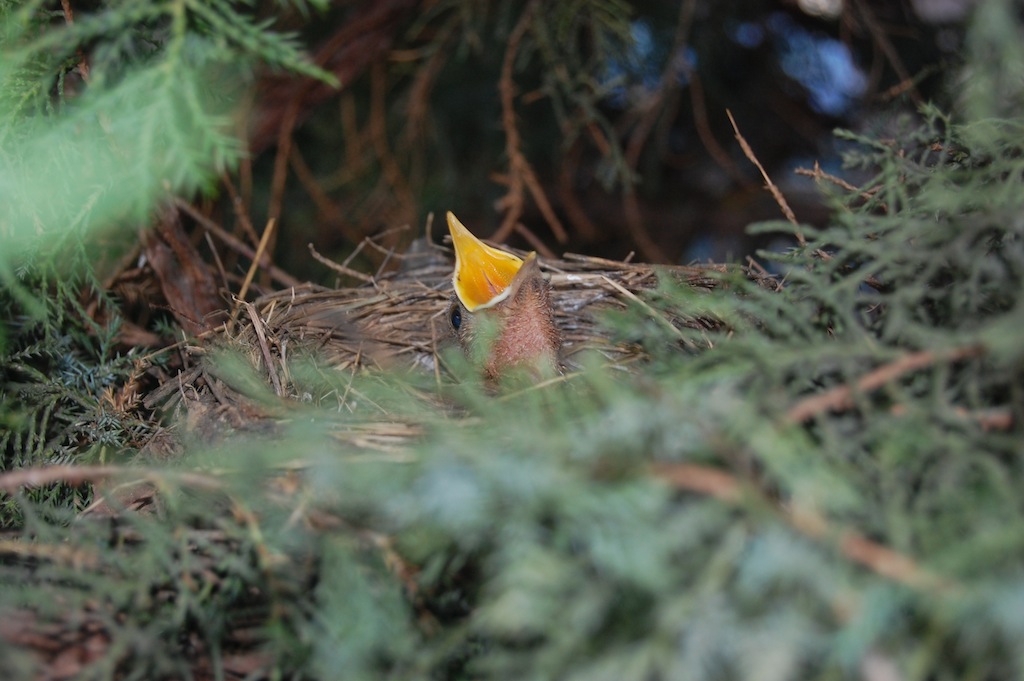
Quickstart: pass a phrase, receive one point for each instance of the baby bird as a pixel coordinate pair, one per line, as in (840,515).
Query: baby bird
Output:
(501,312)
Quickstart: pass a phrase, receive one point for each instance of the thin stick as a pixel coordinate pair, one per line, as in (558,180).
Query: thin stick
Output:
(657,316)
(991,419)
(779,198)
(253,265)
(264,240)
(340,269)
(217,261)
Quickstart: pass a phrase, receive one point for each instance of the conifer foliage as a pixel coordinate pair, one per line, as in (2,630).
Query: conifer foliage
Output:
(825,485)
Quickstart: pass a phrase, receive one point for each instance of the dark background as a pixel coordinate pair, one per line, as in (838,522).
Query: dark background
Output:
(620,112)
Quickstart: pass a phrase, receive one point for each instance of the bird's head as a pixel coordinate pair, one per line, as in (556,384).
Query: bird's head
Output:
(501,312)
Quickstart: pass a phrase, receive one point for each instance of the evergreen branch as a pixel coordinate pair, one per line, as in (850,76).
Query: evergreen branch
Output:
(855,546)
(841,397)
(255,38)
(818,175)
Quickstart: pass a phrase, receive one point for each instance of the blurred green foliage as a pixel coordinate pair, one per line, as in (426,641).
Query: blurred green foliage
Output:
(164,80)
(88,151)
(538,533)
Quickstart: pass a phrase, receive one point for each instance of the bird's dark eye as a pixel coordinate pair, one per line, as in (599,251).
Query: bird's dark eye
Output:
(455,316)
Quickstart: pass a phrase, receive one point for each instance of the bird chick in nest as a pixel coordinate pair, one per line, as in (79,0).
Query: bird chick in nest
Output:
(501,312)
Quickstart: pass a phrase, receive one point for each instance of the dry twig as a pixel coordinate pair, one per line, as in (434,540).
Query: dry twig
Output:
(257,325)
(12,481)
(776,194)
(260,250)
(340,269)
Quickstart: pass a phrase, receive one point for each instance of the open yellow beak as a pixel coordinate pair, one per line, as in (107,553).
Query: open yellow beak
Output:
(482,274)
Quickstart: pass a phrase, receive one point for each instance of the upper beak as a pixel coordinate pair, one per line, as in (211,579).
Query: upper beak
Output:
(482,273)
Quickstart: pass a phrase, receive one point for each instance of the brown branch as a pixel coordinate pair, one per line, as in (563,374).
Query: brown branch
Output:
(12,481)
(348,117)
(69,19)
(534,241)
(991,419)
(520,173)
(995,418)
(571,205)
(841,397)
(880,559)
(347,54)
(543,204)
(378,128)
(698,104)
(705,480)
(279,178)
(240,208)
(418,105)
(667,88)
(414,136)
(906,85)
(328,208)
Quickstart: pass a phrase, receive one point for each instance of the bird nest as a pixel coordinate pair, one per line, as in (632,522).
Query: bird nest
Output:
(395,323)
